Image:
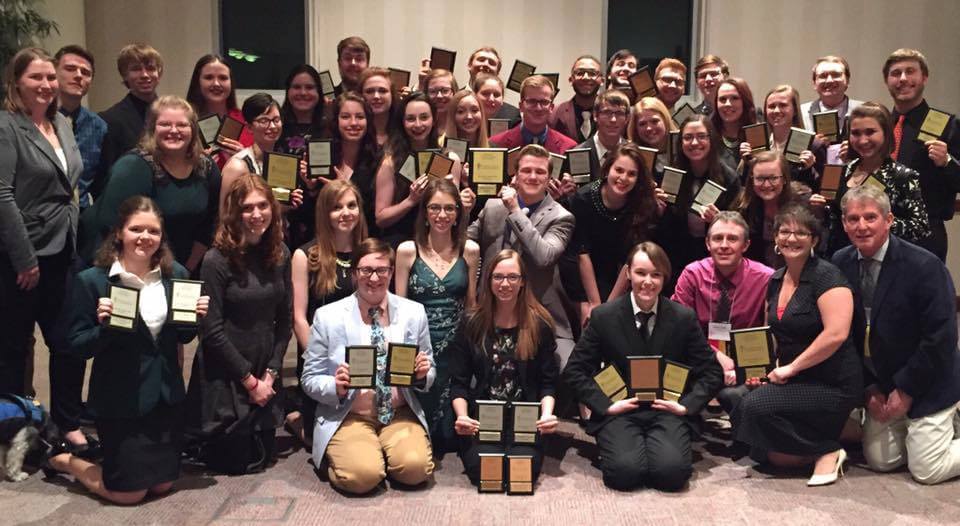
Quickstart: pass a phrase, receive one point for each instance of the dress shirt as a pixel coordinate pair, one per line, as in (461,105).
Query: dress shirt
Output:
(698,287)
(153,296)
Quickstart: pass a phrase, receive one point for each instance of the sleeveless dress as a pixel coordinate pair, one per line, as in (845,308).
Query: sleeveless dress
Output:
(443,300)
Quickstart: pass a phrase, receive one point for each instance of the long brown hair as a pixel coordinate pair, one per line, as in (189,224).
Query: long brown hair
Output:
(322,256)
(530,313)
(422,229)
(229,237)
(112,247)
(714,168)
(641,199)
(747,116)
(12,73)
(750,204)
(450,126)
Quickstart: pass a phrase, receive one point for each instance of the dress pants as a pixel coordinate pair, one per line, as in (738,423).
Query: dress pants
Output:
(645,448)
(928,445)
(43,305)
(364,451)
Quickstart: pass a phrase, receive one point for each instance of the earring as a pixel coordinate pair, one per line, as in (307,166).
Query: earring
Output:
(776,249)
(813,254)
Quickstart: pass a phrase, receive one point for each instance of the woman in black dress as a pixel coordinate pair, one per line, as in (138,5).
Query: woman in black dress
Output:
(613,214)
(796,419)
(356,155)
(504,350)
(231,399)
(321,275)
(136,389)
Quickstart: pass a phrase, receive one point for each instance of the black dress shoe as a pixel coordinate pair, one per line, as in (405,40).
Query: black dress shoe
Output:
(57,446)
(89,451)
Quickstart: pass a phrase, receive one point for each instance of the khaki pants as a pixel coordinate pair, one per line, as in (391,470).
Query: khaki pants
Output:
(927,445)
(363,452)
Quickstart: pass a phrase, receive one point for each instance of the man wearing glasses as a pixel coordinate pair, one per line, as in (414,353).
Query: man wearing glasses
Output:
(364,435)
(574,118)
(536,105)
(611,111)
(710,71)
(353,57)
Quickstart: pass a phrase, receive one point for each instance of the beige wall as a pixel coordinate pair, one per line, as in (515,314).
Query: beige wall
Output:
(181,30)
(69,15)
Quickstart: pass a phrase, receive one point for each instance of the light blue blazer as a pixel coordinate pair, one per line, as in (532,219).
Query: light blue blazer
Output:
(337,325)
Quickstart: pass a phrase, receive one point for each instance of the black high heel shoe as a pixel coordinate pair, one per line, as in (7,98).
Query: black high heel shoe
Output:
(58,446)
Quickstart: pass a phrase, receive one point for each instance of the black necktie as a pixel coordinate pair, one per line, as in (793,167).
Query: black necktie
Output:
(723,303)
(644,318)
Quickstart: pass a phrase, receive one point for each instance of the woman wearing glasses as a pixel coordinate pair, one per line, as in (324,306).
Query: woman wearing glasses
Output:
(796,418)
(682,230)
(767,191)
(440,87)
(437,269)
(504,350)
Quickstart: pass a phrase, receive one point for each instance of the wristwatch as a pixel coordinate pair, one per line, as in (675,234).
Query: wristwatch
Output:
(273,372)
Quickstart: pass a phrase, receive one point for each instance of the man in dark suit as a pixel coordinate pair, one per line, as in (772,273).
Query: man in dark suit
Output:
(644,445)
(574,118)
(709,72)
(536,104)
(612,112)
(141,67)
(906,327)
(906,75)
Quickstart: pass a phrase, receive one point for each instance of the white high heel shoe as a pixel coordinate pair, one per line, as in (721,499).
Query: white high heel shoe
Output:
(829,478)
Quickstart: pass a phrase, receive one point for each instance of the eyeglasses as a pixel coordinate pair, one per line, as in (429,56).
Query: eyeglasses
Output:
(168,125)
(766,179)
(799,234)
(512,279)
(265,122)
(381,272)
(610,114)
(439,91)
(436,209)
(689,137)
(534,103)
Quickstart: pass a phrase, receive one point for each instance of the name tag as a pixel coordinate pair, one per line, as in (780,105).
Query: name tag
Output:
(718,331)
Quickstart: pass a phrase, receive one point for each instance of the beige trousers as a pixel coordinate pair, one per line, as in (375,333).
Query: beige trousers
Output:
(363,452)
(927,445)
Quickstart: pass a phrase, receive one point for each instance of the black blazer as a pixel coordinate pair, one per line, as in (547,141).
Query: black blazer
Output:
(938,185)
(470,367)
(913,325)
(612,335)
(132,372)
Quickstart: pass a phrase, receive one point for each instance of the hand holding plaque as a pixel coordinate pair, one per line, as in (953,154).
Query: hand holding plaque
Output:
(362,360)
(399,78)
(675,377)
(757,136)
(401,364)
(457,147)
(439,166)
(933,125)
(645,378)
(230,128)
(488,170)
(579,161)
(827,124)
(184,296)
(672,180)
(209,126)
(752,352)
(126,306)
(280,170)
(319,157)
(492,415)
(611,383)
(708,195)
(556,165)
(830,182)
(798,141)
(525,418)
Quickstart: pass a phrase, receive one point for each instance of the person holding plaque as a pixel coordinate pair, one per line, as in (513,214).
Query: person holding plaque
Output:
(611,112)
(727,291)
(437,269)
(262,113)
(503,350)
(671,79)
(781,111)
(231,400)
(650,125)
(211,93)
(379,93)
(136,387)
(681,230)
(768,190)
(905,317)
(353,56)
(932,153)
(527,219)
(871,142)
(644,445)
(440,85)
(302,111)
(353,150)
(40,167)
(536,105)
(168,166)
(140,67)
(364,435)
(709,72)
(398,193)
(734,105)
(467,120)
(574,118)
(612,215)
(831,78)
(489,88)
(321,274)
(796,418)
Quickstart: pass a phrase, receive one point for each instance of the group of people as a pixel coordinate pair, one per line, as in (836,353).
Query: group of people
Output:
(520,297)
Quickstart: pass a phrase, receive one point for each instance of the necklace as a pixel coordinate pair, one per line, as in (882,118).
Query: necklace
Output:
(345,263)
(441,263)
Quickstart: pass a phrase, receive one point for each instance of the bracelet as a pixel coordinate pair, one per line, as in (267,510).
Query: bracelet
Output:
(273,372)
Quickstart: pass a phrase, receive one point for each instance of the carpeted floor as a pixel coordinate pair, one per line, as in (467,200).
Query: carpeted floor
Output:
(722,491)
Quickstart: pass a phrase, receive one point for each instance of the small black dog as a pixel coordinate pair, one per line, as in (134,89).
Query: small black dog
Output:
(24,425)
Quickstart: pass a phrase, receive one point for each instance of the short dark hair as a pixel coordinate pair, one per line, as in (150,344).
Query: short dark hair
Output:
(353,44)
(80,51)
(258,104)
(709,60)
(799,214)
(623,53)
(372,245)
(906,54)
(657,256)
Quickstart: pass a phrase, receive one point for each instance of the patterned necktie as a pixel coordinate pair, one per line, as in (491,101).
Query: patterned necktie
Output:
(897,137)
(868,281)
(585,127)
(384,392)
(723,303)
(644,319)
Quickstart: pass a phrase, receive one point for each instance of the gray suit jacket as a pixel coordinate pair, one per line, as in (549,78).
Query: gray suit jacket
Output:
(540,239)
(38,212)
(337,325)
